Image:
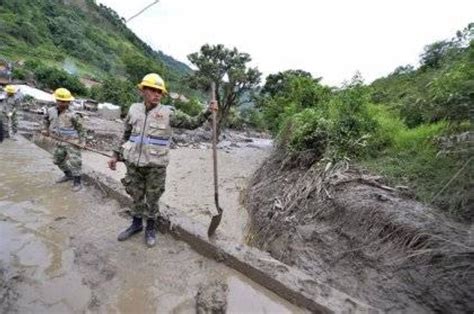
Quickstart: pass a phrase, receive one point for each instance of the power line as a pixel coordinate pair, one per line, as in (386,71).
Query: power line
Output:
(142,10)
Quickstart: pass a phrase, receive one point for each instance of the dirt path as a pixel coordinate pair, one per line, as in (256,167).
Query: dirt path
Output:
(59,254)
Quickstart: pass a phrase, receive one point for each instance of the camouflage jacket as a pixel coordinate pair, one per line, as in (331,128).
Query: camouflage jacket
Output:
(147,134)
(8,106)
(66,125)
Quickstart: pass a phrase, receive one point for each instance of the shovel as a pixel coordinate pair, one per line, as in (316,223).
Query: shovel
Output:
(79,146)
(217,218)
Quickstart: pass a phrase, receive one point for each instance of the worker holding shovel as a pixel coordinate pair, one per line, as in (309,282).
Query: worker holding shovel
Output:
(145,150)
(65,126)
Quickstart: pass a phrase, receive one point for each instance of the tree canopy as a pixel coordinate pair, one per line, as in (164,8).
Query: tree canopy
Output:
(229,70)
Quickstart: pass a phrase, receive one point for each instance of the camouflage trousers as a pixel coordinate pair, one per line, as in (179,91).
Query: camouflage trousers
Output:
(145,185)
(10,124)
(68,158)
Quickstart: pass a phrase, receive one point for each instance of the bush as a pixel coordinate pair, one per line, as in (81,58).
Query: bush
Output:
(441,89)
(52,78)
(288,95)
(19,73)
(191,107)
(337,128)
(254,118)
(234,120)
(414,160)
(119,92)
(307,130)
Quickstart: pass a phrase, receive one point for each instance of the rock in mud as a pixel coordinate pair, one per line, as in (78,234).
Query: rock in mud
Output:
(212,298)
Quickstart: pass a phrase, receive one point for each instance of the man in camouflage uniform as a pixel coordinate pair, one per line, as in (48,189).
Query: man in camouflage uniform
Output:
(145,148)
(8,113)
(65,125)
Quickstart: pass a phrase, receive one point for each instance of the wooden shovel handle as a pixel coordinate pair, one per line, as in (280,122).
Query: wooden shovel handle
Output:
(214,144)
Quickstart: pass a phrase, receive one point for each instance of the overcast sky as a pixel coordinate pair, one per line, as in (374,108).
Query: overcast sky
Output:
(332,38)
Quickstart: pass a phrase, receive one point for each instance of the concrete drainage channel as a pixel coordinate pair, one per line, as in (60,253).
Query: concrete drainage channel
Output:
(287,282)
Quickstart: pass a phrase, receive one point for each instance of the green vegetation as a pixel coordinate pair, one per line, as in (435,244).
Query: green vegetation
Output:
(409,126)
(191,107)
(442,88)
(116,91)
(228,70)
(83,39)
(51,78)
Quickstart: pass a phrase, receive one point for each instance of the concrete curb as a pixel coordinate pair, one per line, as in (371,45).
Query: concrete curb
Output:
(287,282)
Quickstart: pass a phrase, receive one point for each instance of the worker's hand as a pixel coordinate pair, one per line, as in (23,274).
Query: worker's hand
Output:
(45,132)
(213,106)
(112,163)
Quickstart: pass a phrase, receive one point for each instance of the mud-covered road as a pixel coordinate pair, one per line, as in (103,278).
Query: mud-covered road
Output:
(59,253)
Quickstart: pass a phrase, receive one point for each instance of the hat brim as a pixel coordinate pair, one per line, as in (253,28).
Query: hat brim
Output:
(145,84)
(64,98)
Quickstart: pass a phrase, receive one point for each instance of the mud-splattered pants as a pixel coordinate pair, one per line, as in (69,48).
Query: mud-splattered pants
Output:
(68,158)
(145,185)
(10,123)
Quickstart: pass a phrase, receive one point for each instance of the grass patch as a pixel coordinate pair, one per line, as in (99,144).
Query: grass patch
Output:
(410,157)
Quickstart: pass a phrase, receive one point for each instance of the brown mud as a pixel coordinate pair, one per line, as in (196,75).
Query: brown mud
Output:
(346,228)
(59,253)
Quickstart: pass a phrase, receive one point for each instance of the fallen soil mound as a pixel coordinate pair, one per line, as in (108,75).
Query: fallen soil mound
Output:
(347,229)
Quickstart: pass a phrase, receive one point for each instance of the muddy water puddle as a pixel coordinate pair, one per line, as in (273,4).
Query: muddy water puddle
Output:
(59,254)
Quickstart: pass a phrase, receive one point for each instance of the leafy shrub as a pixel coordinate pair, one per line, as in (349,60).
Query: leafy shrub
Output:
(339,127)
(254,118)
(52,78)
(234,120)
(307,130)
(191,107)
(19,73)
(119,92)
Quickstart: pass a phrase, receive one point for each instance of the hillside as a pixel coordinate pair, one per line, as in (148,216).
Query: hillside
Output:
(79,36)
(413,127)
(370,186)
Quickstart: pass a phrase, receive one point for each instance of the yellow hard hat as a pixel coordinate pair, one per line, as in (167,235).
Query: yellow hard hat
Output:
(63,94)
(153,80)
(10,89)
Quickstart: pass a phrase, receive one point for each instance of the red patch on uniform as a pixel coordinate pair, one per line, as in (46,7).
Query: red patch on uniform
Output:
(158,115)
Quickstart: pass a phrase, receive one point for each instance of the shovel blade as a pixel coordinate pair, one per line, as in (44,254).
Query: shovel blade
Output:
(215,221)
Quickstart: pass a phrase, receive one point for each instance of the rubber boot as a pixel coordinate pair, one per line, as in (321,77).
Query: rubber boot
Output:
(150,233)
(135,227)
(67,177)
(77,185)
